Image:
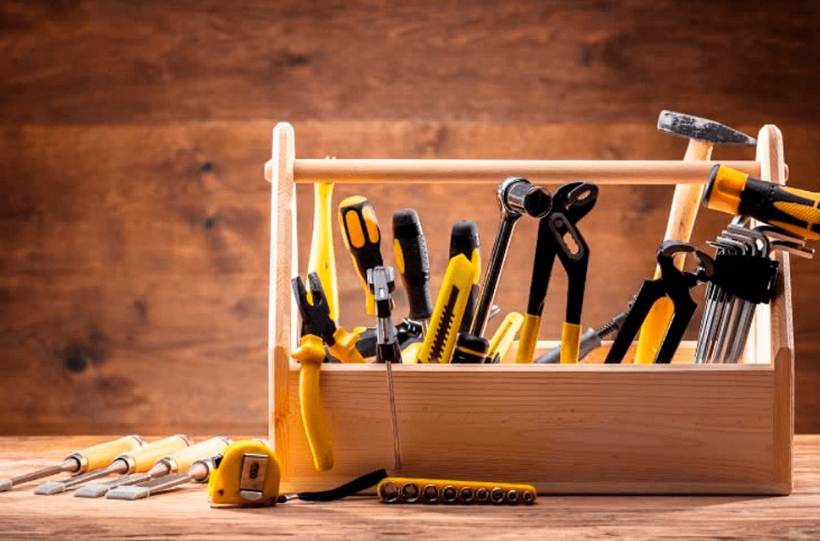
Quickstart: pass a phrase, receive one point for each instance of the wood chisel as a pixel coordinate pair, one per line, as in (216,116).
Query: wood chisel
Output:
(322,258)
(362,237)
(413,264)
(199,471)
(136,461)
(88,459)
(174,463)
(452,299)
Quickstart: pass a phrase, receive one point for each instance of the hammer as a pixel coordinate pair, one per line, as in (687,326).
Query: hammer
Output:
(703,135)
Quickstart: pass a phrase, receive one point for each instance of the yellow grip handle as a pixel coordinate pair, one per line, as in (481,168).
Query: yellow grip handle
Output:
(653,330)
(362,237)
(790,209)
(322,259)
(504,336)
(311,355)
(143,459)
(570,342)
(527,339)
(184,458)
(101,455)
(344,347)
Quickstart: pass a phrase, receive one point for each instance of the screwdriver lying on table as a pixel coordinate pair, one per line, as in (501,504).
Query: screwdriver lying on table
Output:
(139,460)
(90,458)
(174,463)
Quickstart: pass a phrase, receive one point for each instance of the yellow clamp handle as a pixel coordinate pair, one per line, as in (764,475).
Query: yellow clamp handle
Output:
(311,354)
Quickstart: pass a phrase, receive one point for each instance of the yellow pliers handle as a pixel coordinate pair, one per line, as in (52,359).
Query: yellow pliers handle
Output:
(311,354)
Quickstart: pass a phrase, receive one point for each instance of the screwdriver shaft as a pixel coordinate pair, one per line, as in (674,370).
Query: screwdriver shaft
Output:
(393,418)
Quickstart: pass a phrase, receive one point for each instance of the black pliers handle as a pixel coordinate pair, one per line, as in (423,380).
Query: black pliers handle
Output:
(559,237)
(674,284)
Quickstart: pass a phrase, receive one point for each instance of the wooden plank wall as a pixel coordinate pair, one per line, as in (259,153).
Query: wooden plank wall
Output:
(134,216)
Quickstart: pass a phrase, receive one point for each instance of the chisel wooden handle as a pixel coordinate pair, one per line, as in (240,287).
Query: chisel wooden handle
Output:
(101,455)
(144,458)
(183,459)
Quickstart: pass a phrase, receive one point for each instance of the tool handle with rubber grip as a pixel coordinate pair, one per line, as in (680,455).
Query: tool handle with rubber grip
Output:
(101,455)
(362,237)
(311,355)
(322,259)
(528,338)
(790,209)
(412,262)
(144,458)
(183,459)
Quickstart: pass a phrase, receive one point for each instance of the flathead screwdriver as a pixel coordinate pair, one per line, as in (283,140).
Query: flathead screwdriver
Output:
(91,458)
(139,460)
(174,463)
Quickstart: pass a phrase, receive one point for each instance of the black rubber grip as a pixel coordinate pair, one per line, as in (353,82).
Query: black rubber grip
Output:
(464,240)
(415,270)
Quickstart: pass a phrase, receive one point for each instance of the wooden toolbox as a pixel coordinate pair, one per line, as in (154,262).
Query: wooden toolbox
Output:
(585,428)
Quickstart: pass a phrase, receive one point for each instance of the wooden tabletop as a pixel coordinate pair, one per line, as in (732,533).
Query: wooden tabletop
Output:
(186,514)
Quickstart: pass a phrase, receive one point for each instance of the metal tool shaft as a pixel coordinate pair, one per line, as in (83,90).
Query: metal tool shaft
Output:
(70,465)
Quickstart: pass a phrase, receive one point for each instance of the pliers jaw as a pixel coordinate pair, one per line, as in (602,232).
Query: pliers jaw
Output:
(315,315)
(674,284)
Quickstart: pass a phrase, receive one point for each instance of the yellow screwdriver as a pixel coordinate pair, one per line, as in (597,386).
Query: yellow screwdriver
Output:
(138,461)
(795,211)
(90,458)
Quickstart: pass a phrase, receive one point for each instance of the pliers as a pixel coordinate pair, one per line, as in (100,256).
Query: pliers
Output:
(673,283)
(316,321)
(317,329)
(559,237)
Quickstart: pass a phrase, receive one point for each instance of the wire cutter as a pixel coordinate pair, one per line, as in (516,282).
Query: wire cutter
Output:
(673,283)
(559,237)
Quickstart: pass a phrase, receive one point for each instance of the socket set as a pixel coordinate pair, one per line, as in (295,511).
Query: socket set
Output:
(432,491)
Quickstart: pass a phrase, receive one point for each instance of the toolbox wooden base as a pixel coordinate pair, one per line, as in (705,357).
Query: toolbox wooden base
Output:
(586,428)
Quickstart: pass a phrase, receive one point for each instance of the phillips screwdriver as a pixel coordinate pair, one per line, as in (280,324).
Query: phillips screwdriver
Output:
(362,237)
(413,264)
(464,240)
(91,458)
(790,209)
(138,461)
(174,463)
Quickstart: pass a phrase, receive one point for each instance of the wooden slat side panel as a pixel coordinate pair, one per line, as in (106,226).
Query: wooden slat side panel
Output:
(591,430)
(97,62)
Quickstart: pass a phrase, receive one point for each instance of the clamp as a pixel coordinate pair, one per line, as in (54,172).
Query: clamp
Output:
(674,284)
(559,237)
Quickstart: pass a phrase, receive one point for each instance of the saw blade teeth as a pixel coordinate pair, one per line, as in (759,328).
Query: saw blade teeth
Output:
(444,326)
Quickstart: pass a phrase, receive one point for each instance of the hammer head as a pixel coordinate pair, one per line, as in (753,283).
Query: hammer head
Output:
(702,129)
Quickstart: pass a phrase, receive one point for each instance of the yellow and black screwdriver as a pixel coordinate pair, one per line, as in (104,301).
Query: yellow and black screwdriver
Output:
(795,211)
(362,237)
(88,459)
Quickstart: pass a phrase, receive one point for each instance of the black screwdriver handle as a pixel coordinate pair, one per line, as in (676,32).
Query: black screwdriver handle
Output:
(412,262)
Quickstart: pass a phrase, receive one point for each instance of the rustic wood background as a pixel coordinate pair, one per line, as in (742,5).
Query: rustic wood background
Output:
(134,214)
